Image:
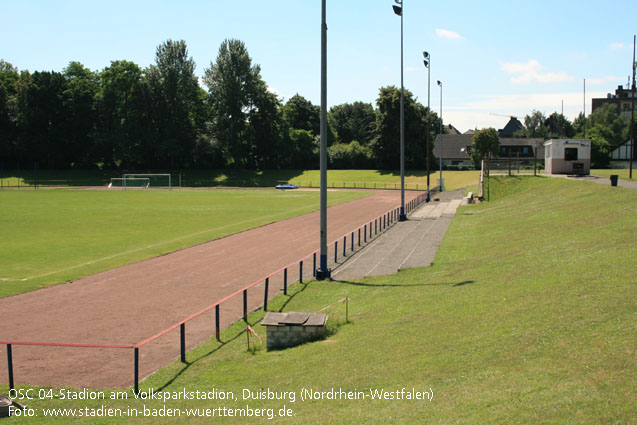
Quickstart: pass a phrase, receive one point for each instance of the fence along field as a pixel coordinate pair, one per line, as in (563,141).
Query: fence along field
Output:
(52,236)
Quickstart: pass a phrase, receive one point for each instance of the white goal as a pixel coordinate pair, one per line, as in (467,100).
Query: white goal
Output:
(129,182)
(155,180)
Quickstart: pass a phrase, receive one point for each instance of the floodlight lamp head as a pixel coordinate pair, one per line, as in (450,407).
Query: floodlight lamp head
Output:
(398,1)
(439,83)
(425,55)
(398,10)
(426,63)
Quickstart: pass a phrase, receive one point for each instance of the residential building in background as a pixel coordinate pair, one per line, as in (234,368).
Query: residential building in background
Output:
(622,99)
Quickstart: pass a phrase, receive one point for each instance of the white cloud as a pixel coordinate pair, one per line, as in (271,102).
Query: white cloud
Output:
(477,113)
(411,69)
(604,80)
(615,46)
(529,72)
(452,35)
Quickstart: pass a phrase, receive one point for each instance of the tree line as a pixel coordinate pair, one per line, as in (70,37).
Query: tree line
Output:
(160,117)
(604,127)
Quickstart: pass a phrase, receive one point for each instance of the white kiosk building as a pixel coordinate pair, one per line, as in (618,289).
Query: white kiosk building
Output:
(567,156)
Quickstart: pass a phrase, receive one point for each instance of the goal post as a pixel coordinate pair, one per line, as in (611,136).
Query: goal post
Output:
(129,182)
(156,180)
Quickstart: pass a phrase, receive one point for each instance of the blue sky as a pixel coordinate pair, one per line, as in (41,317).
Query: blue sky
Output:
(493,57)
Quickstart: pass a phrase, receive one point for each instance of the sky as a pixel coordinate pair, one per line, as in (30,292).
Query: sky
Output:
(495,58)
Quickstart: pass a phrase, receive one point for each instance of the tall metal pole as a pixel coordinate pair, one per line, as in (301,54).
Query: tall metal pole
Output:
(428,115)
(403,217)
(440,84)
(323,272)
(632,118)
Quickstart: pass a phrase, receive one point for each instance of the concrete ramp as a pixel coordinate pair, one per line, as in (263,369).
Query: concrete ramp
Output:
(412,243)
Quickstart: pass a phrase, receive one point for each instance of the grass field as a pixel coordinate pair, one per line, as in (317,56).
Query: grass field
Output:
(247,178)
(622,173)
(52,236)
(527,316)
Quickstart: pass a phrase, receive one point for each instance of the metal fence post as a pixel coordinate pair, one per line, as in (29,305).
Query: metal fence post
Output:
(359,236)
(313,265)
(335,251)
(265,296)
(301,271)
(217,327)
(365,231)
(10,366)
(285,281)
(182,330)
(344,245)
(245,305)
(136,370)
(352,243)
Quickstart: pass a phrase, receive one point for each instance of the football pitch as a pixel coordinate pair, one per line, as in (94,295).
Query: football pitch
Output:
(54,236)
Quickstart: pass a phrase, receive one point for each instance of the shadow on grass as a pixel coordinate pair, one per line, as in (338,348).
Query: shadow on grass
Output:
(381,285)
(203,356)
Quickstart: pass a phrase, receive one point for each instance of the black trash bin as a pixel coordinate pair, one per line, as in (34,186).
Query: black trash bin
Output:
(613,179)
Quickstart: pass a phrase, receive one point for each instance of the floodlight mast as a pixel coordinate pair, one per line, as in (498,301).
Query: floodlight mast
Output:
(399,10)
(427,63)
(441,185)
(323,272)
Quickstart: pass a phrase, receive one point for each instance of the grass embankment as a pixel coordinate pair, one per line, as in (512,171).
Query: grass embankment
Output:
(53,236)
(247,178)
(526,316)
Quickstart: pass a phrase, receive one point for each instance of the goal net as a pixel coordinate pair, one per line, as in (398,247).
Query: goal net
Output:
(129,182)
(156,181)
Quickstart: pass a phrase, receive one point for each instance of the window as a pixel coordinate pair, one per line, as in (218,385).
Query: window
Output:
(570,154)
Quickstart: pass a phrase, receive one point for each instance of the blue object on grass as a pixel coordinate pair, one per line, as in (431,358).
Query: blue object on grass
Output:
(286,186)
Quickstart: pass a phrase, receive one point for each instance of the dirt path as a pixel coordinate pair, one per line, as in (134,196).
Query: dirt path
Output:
(131,303)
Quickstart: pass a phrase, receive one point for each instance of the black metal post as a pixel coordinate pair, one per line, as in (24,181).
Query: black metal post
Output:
(10,366)
(335,251)
(352,243)
(359,236)
(301,271)
(136,370)
(245,305)
(182,330)
(217,327)
(344,245)
(314,265)
(265,295)
(285,281)
(365,233)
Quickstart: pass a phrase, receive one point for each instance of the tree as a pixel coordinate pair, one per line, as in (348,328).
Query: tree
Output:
(124,126)
(386,145)
(353,122)
(42,120)
(535,125)
(245,115)
(299,113)
(175,101)
(559,126)
(8,77)
(79,105)
(485,142)
(600,147)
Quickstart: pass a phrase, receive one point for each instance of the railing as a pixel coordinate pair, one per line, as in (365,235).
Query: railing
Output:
(369,229)
(359,185)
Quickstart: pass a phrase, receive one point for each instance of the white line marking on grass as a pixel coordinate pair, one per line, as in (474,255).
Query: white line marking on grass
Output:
(152,246)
